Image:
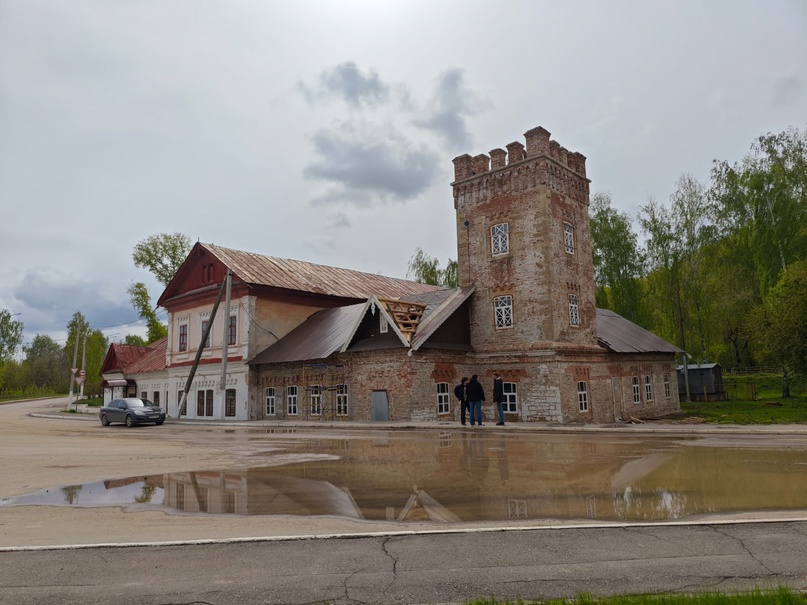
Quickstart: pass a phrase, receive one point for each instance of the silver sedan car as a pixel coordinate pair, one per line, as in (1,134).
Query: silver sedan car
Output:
(131,411)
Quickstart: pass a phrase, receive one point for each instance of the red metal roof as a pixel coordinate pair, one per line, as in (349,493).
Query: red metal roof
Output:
(307,277)
(153,360)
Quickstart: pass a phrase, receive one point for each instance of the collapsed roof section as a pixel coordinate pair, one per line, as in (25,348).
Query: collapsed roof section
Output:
(410,321)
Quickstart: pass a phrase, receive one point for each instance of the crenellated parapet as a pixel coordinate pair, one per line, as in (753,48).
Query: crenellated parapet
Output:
(542,162)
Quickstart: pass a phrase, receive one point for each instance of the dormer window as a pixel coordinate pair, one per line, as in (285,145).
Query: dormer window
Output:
(383,325)
(499,239)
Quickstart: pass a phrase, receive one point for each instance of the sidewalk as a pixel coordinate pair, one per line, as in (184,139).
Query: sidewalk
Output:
(86,413)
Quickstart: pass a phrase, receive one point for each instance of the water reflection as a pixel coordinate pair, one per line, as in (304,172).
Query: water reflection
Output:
(471,476)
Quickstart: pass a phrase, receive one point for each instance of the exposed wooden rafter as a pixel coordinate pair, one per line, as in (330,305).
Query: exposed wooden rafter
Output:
(407,315)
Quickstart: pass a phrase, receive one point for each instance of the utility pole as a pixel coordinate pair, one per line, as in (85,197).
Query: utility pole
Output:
(225,342)
(73,368)
(83,366)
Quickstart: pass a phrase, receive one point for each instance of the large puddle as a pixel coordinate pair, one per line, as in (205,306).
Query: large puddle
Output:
(470,476)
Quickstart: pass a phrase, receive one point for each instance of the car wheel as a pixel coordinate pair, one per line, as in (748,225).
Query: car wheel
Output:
(104,420)
(159,422)
(129,421)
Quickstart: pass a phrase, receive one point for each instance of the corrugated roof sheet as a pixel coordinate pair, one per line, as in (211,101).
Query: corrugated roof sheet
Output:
(616,333)
(153,360)
(328,331)
(441,306)
(319,336)
(308,277)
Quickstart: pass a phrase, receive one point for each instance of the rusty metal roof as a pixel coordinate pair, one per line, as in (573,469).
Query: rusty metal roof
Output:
(619,335)
(153,360)
(331,330)
(319,336)
(307,277)
(439,307)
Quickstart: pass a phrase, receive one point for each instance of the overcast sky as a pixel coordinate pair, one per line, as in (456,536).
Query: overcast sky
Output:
(324,131)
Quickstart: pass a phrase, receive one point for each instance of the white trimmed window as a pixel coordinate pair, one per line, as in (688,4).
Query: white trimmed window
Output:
(648,389)
(637,394)
(582,396)
(232,330)
(183,337)
(443,401)
(574,310)
(383,325)
(503,306)
(316,400)
(568,238)
(510,401)
(291,401)
(499,239)
(229,402)
(205,323)
(666,386)
(341,400)
(269,396)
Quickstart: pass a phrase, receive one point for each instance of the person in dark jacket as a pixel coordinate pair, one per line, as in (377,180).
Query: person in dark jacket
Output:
(476,395)
(498,397)
(460,394)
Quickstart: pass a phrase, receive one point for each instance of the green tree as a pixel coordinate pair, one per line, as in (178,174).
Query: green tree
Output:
(675,249)
(11,332)
(162,255)
(761,203)
(619,263)
(47,366)
(135,340)
(779,325)
(426,270)
(97,345)
(139,296)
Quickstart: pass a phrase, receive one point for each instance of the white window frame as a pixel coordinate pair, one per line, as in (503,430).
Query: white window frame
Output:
(666,386)
(202,333)
(648,388)
(292,409)
(582,395)
(316,400)
(230,403)
(499,239)
(183,332)
(568,237)
(503,311)
(383,324)
(510,401)
(574,310)
(269,398)
(637,393)
(443,400)
(342,400)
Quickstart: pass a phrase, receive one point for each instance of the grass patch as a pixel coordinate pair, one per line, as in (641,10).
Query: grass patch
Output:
(780,596)
(744,411)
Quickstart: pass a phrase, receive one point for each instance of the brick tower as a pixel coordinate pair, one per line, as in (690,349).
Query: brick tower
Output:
(523,242)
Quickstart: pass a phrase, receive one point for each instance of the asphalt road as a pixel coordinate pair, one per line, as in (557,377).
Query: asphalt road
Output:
(450,566)
(418,568)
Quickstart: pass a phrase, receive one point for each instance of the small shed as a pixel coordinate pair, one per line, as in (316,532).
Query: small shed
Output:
(705,382)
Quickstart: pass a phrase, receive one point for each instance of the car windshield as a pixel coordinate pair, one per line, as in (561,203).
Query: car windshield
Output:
(141,403)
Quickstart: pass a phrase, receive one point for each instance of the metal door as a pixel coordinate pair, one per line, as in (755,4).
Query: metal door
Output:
(380,406)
